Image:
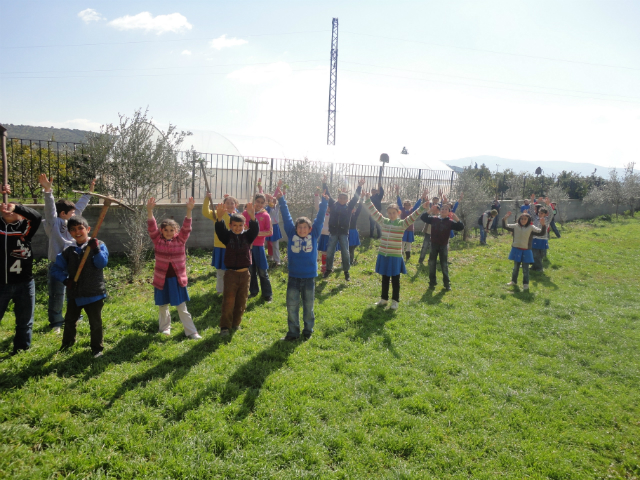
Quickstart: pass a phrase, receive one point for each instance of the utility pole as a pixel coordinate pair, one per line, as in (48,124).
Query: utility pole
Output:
(333,84)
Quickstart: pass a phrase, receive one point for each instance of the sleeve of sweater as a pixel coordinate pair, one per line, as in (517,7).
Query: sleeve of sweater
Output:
(399,202)
(222,231)
(254,230)
(287,221)
(457,226)
(34,219)
(152,228)
(413,217)
(373,211)
(82,203)
(455,207)
(417,205)
(59,269)
(508,226)
(185,230)
(101,258)
(316,201)
(50,213)
(425,217)
(206,210)
(355,199)
(318,223)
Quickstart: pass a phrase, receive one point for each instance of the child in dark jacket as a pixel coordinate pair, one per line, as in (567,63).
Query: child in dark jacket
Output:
(18,226)
(89,292)
(237,261)
(339,228)
(354,236)
(441,227)
(302,251)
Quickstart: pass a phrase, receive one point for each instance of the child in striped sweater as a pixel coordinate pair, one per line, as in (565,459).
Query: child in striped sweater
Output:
(390,263)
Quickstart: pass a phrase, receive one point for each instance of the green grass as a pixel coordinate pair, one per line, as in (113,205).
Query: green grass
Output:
(486,381)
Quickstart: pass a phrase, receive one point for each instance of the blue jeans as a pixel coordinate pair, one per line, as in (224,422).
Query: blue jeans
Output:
(483,235)
(441,251)
(516,270)
(24,299)
(56,300)
(374,227)
(554,227)
(344,249)
(297,288)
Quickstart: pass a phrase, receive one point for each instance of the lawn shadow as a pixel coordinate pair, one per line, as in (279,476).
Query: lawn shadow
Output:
(321,295)
(373,321)
(204,308)
(432,298)
(178,367)
(205,276)
(542,278)
(250,377)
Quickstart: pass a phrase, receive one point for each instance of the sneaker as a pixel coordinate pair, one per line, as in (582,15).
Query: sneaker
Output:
(56,330)
(268,299)
(97,355)
(347,277)
(511,284)
(224,332)
(447,288)
(289,339)
(306,338)
(381,303)
(165,332)
(394,305)
(525,286)
(326,274)
(194,336)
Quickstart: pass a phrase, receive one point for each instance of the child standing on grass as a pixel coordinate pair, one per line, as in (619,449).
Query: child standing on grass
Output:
(441,227)
(390,263)
(217,260)
(426,244)
(259,264)
(273,242)
(405,210)
(18,226)
(89,292)
(540,245)
(323,239)
(170,272)
(302,249)
(523,233)
(56,215)
(354,236)
(237,261)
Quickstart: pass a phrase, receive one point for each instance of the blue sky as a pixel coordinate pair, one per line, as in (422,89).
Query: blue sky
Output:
(532,80)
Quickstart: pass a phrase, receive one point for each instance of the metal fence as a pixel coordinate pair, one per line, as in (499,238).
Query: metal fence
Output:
(226,174)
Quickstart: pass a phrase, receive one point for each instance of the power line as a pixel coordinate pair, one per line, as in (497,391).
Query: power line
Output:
(491,81)
(151,41)
(495,51)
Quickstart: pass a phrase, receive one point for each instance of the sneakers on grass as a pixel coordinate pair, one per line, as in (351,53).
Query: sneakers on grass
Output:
(381,303)
(525,286)
(165,332)
(394,305)
(56,330)
(97,355)
(511,284)
(194,336)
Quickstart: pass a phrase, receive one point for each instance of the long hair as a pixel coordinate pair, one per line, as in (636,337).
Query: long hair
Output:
(525,214)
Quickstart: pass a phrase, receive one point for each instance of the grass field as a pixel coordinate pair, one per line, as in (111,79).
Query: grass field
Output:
(486,381)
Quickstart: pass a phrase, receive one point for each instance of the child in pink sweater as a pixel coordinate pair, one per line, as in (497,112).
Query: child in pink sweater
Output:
(170,272)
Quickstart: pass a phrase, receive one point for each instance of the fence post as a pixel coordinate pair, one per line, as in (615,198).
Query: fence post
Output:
(193,178)
(271,177)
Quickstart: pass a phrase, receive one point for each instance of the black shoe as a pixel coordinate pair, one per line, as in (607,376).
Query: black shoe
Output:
(306,338)
(289,339)
(448,288)
(224,332)
(268,299)
(432,286)
(347,277)
(252,295)
(327,273)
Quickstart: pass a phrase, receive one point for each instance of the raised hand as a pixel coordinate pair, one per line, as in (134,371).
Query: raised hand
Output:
(366,194)
(508,214)
(93,243)
(8,208)
(45,182)
(151,203)
(279,194)
(325,196)
(250,210)
(6,189)
(397,188)
(361,182)
(220,211)
(92,185)
(190,204)
(454,217)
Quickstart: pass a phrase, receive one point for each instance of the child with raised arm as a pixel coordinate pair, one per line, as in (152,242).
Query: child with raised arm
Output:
(217,259)
(237,261)
(302,249)
(56,215)
(323,239)
(18,226)
(540,245)
(405,210)
(259,264)
(441,227)
(523,232)
(339,224)
(390,263)
(354,236)
(426,244)
(89,292)
(170,272)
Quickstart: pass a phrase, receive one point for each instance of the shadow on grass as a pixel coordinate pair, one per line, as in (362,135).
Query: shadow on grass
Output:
(536,278)
(80,361)
(204,308)
(323,294)
(373,321)
(178,367)
(205,276)
(431,297)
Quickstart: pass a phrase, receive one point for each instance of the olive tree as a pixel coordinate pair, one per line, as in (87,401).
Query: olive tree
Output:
(133,161)
(475,197)
(611,193)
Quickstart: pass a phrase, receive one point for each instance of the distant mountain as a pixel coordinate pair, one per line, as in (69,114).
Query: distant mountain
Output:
(28,132)
(517,166)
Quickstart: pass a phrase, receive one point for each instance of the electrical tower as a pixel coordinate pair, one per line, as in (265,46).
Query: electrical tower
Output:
(333,84)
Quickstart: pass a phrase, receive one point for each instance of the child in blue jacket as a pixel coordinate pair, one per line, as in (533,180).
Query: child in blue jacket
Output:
(302,251)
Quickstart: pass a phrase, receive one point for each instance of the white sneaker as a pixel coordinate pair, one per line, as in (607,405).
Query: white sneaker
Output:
(394,305)
(194,336)
(511,284)
(381,303)
(97,355)
(525,286)
(56,330)
(165,332)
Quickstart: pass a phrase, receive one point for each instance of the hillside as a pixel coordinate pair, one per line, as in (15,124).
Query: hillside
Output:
(549,168)
(29,132)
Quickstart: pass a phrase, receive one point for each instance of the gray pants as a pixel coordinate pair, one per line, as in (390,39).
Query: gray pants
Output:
(538,255)
(426,247)
(525,272)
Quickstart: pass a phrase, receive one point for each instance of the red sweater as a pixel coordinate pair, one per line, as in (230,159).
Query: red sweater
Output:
(169,252)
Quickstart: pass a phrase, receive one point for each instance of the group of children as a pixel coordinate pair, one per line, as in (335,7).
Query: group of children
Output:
(239,255)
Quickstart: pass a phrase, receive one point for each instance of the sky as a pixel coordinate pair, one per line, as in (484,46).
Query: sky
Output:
(531,80)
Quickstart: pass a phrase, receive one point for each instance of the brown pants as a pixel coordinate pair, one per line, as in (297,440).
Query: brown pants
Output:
(234,297)
(94,312)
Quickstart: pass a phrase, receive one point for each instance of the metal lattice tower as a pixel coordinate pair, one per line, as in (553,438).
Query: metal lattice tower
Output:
(333,84)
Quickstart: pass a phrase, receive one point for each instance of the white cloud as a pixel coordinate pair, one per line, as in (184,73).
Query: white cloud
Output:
(159,24)
(186,52)
(263,73)
(224,42)
(90,15)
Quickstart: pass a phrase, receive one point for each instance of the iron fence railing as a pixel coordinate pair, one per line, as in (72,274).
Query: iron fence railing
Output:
(226,174)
